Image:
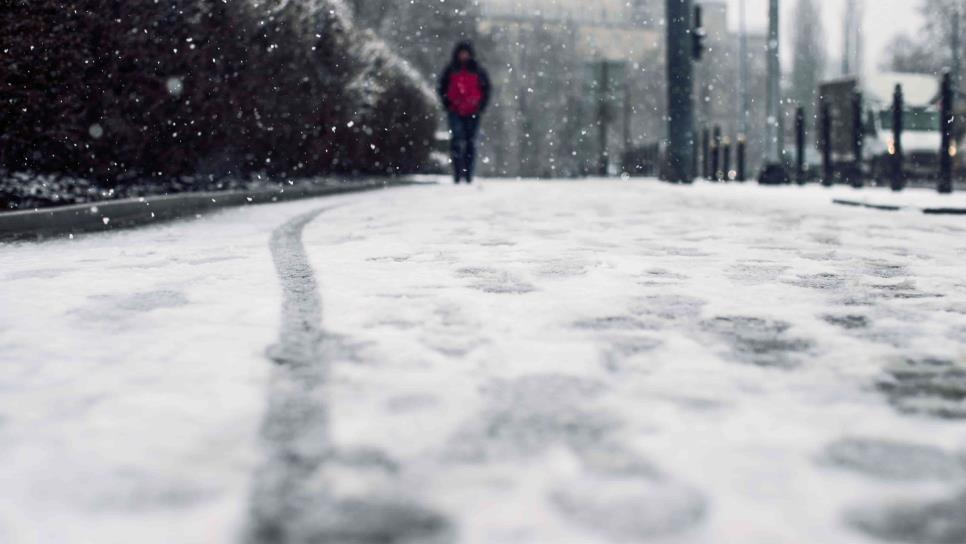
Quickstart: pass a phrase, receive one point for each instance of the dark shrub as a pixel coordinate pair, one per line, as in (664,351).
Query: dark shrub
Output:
(113,90)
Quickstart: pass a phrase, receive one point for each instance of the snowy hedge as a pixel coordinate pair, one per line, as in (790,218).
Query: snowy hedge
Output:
(115,90)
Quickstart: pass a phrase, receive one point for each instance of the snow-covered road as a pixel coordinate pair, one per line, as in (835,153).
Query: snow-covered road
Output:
(567,362)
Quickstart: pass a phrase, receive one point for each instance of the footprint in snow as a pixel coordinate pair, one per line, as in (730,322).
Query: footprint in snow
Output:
(888,459)
(526,416)
(759,341)
(923,522)
(668,308)
(495,281)
(849,322)
(928,386)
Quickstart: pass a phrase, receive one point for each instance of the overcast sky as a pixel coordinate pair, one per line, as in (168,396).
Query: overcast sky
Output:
(884,19)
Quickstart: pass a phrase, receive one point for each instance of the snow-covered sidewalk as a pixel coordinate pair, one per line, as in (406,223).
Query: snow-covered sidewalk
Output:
(566,362)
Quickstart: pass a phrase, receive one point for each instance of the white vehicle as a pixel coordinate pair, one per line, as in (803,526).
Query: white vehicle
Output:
(921,137)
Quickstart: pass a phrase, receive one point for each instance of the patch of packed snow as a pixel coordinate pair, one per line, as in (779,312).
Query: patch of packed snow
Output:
(133,380)
(614,362)
(567,362)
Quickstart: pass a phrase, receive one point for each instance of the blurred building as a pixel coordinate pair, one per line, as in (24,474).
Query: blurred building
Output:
(719,84)
(546,71)
(548,52)
(601,12)
(619,30)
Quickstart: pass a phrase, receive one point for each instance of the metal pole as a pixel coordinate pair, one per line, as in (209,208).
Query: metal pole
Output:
(680,74)
(957,52)
(898,104)
(743,69)
(602,118)
(726,158)
(947,150)
(740,160)
(774,171)
(695,153)
(774,75)
(859,40)
(705,154)
(703,76)
(628,111)
(716,154)
(800,145)
(849,36)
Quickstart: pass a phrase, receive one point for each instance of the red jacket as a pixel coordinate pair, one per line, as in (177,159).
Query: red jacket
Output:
(465,89)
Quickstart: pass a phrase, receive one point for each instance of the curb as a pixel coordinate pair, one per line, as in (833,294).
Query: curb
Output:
(120,214)
(944,211)
(860,204)
(894,208)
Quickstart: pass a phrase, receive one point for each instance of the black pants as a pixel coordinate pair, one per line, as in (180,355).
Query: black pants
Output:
(463,145)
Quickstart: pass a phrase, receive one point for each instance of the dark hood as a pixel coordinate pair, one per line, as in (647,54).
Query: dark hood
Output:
(463,46)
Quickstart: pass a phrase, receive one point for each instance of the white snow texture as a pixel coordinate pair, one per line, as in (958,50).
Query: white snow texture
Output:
(534,362)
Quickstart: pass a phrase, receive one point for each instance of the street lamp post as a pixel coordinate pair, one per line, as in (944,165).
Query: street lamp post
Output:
(743,104)
(800,145)
(957,51)
(680,74)
(603,118)
(774,171)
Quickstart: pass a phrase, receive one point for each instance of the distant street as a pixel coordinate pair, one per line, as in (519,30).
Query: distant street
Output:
(518,362)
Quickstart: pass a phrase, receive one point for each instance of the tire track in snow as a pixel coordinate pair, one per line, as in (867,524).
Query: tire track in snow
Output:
(294,498)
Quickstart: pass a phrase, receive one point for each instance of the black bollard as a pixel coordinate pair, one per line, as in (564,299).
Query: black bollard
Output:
(800,145)
(695,153)
(716,154)
(705,157)
(828,169)
(858,139)
(895,149)
(726,158)
(740,159)
(947,150)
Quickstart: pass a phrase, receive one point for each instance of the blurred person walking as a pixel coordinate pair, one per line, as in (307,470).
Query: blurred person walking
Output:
(465,91)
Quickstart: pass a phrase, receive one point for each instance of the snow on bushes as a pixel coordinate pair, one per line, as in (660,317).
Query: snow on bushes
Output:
(387,101)
(118,91)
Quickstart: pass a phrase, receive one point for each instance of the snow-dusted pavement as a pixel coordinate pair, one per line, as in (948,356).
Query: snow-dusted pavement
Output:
(586,362)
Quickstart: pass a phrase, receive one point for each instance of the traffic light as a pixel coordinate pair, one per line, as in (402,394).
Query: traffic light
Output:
(698,34)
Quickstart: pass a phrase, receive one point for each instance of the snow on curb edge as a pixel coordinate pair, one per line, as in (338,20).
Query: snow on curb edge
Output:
(128,213)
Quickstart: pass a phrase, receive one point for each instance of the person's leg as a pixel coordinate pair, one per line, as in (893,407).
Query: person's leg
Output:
(457,136)
(471,127)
